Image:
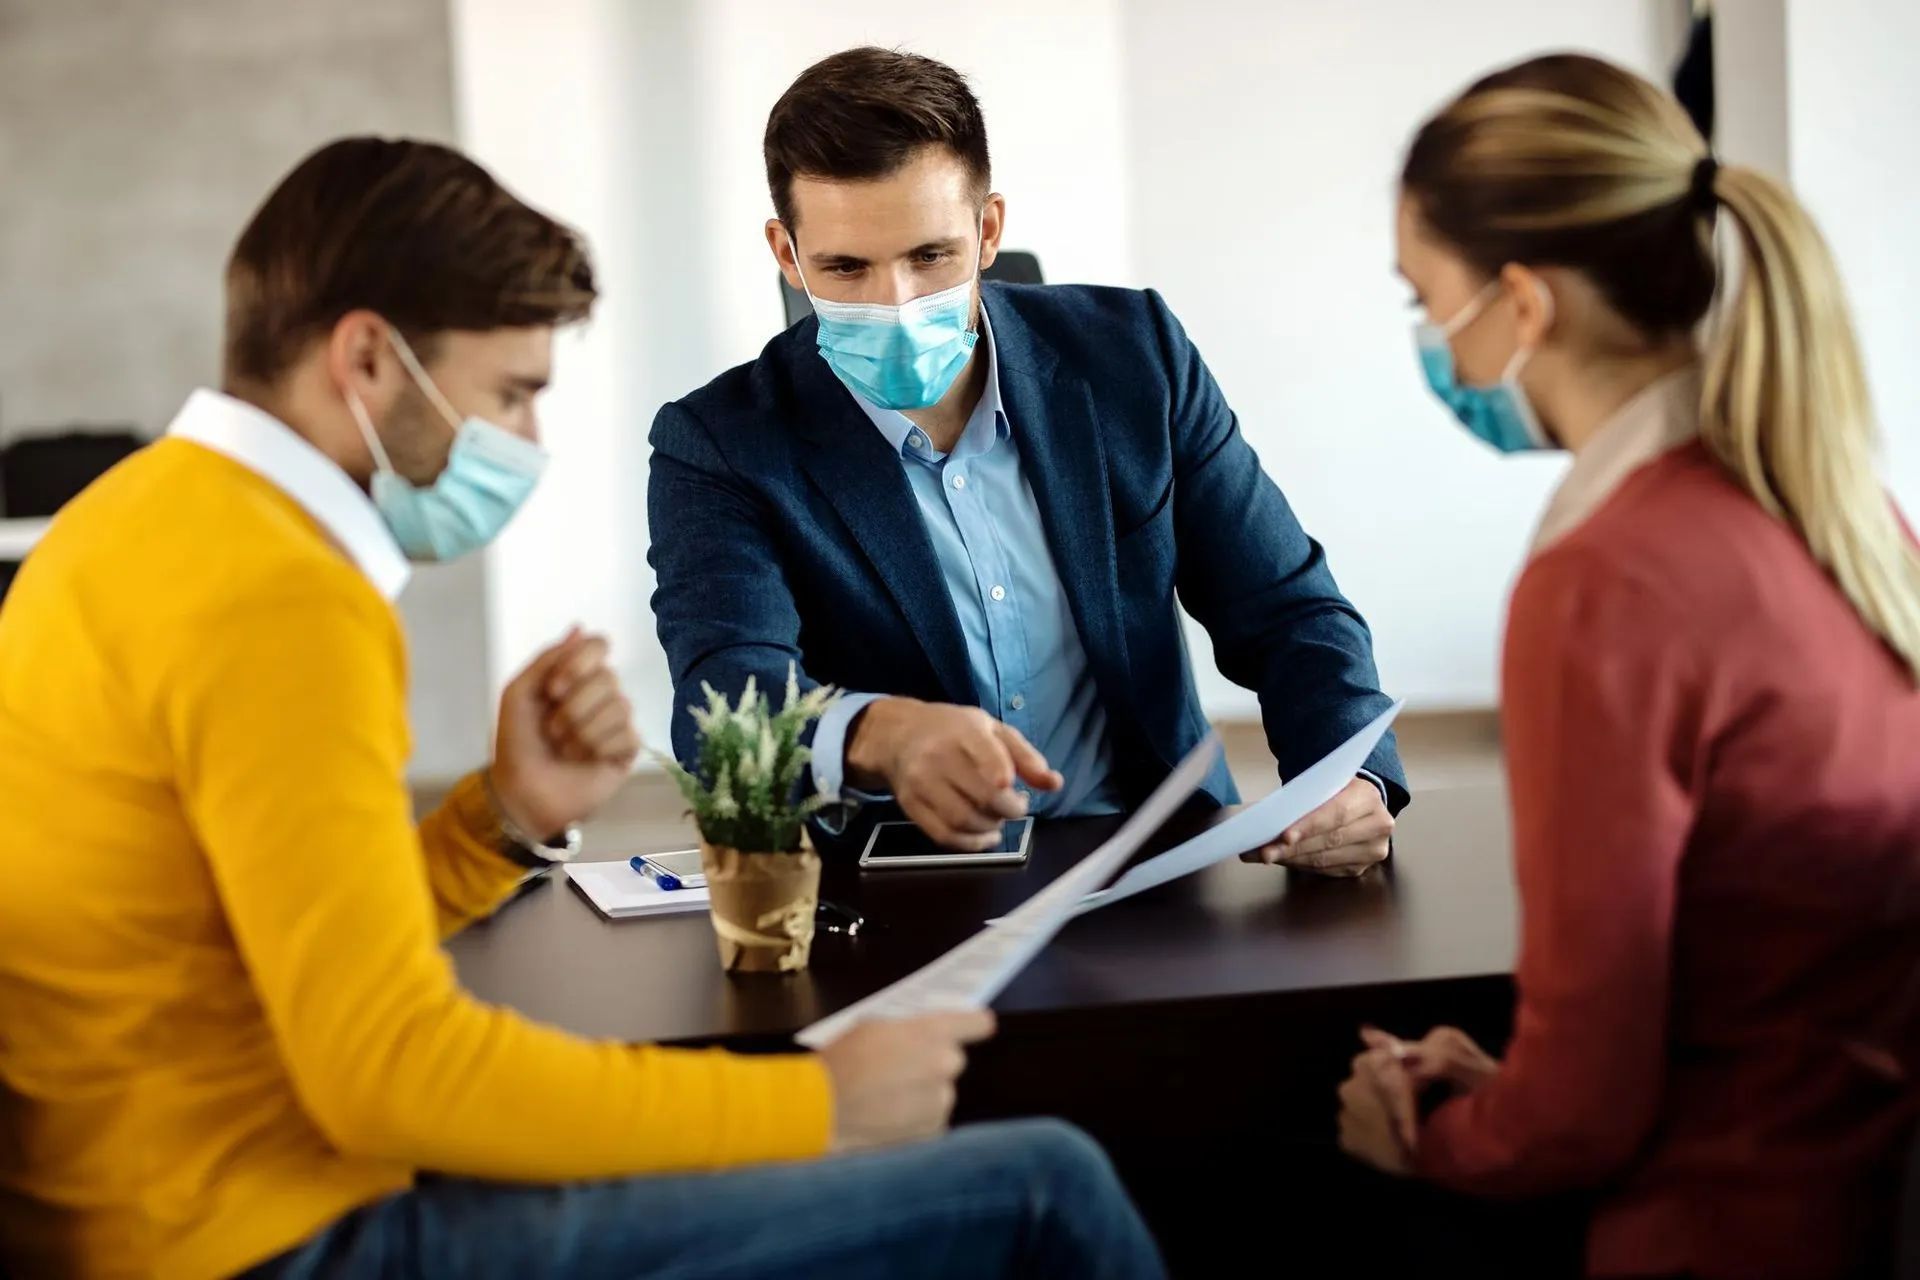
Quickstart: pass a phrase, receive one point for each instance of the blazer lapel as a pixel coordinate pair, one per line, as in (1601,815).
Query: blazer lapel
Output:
(863,478)
(1054,424)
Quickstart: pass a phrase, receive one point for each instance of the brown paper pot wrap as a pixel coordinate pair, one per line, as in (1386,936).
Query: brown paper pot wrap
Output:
(762,906)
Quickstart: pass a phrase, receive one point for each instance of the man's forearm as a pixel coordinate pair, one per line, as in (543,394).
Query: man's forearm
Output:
(467,873)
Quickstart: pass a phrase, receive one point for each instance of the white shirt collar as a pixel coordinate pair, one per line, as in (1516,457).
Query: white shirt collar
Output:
(1661,416)
(269,447)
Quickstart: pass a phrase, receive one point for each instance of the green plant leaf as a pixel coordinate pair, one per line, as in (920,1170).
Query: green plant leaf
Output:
(744,790)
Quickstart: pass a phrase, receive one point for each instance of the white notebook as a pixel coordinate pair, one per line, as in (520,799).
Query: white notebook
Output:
(621,893)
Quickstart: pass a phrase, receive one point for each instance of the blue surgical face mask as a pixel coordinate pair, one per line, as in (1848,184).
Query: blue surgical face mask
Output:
(488,476)
(903,357)
(1500,414)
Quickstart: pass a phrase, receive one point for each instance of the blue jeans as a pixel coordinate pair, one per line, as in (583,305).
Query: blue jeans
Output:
(1032,1198)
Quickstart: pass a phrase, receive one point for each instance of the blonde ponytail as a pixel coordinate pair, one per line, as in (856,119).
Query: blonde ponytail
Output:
(1786,409)
(1570,160)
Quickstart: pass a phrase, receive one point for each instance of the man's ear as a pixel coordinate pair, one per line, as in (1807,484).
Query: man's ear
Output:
(784,250)
(993,224)
(358,360)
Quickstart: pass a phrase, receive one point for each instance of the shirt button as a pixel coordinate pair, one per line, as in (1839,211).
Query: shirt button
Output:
(1017,702)
(917,440)
(959,482)
(998,593)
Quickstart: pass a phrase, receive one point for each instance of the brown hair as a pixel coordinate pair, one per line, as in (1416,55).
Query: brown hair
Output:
(1569,161)
(863,113)
(412,230)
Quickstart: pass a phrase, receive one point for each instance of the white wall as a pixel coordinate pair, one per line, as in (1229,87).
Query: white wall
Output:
(1265,140)
(1750,85)
(1853,107)
(544,98)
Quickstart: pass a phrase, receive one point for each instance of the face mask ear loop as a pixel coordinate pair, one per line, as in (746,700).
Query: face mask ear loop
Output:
(367,433)
(1471,312)
(979,256)
(421,380)
(793,247)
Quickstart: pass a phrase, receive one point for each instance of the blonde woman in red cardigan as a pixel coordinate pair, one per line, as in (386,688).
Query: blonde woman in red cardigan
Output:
(1709,700)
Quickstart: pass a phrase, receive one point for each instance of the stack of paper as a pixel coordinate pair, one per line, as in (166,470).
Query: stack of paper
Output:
(1257,824)
(973,973)
(621,893)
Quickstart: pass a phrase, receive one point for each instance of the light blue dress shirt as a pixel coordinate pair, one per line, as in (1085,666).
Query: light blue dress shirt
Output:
(1029,668)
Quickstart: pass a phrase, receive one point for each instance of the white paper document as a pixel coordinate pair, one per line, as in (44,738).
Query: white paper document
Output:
(1257,824)
(973,973)
(621,893)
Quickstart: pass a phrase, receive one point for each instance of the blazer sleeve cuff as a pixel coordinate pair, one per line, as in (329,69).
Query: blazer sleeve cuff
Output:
(830,748)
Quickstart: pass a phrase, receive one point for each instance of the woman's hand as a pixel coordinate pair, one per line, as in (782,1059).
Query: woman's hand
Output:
(1379,1115)
(1379,1103)
(1445,1055)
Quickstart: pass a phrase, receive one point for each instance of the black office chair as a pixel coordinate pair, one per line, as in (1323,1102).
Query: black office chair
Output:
(1013,266)
(39,474)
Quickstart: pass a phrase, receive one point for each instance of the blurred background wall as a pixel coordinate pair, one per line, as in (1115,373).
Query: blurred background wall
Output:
(136,138)
(1237,155)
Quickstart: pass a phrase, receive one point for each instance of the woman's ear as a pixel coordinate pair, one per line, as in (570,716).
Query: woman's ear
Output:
(1533,308)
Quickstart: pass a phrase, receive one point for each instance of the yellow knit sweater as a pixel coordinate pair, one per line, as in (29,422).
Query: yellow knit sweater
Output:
(225,1018)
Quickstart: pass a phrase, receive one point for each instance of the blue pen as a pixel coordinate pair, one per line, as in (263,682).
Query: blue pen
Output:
(665,879)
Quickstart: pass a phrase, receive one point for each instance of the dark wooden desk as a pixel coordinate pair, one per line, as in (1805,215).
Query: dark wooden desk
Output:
(1197,1030)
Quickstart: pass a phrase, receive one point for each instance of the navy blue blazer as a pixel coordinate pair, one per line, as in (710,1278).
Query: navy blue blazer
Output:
(784,529)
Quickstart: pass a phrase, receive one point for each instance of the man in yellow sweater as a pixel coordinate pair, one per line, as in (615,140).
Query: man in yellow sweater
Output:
(228,1036)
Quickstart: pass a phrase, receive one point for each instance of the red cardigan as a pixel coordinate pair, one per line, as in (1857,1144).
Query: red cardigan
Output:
(1715,775)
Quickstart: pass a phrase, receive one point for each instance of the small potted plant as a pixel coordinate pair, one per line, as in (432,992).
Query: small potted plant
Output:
(762,873)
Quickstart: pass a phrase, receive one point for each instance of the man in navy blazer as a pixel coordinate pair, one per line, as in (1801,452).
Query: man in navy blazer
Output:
(973,506)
